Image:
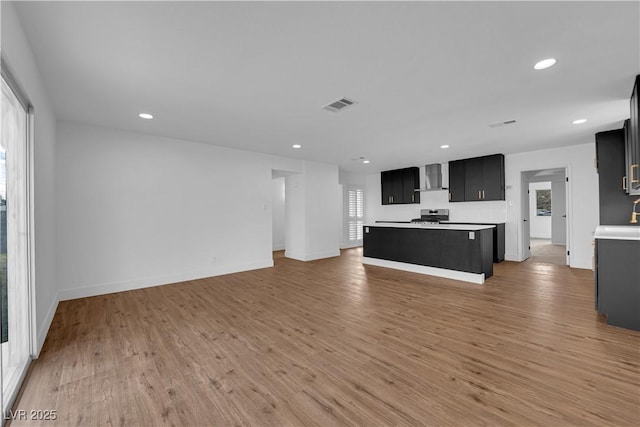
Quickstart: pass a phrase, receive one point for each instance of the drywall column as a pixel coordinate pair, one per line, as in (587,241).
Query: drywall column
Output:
(312,210)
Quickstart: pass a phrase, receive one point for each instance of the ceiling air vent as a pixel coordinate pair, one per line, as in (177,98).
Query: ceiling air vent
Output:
(339,105)
(499,124)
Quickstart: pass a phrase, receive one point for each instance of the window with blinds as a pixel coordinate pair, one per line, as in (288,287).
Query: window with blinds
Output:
(356,213)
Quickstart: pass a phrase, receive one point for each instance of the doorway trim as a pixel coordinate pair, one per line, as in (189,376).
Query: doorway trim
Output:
(524,194)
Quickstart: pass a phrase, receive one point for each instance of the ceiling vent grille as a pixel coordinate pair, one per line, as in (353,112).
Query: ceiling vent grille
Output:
(499,124)
(339,105)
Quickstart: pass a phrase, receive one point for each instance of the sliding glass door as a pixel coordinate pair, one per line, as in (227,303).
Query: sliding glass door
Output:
(15,292)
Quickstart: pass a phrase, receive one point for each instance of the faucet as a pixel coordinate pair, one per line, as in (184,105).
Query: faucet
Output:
(634,214)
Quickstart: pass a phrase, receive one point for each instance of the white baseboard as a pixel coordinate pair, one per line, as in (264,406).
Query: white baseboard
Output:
(350,245)
(108,288)
(423,269)
(511,257)
(279,247)
(313,256)
(46,325)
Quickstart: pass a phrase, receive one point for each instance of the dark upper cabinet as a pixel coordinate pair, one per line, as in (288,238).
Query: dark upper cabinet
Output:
(456,181)
(615,204)
(411,182)
(493,177)
(398,186)
(386,184)
(473,179)
(632,143)
(477,179)
(392,188)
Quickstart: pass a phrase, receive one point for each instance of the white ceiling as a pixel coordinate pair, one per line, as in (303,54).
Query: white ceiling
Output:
(255,75)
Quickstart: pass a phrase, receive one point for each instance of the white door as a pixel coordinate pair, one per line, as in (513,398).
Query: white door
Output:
(559,213)
(15,301)
(526,224)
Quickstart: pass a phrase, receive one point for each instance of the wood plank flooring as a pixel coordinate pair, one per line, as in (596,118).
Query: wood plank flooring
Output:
(332,342)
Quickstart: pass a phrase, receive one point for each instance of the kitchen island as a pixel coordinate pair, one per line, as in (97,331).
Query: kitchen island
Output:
(455,251)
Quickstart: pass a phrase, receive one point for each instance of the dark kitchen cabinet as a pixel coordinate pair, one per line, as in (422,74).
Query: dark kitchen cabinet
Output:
(498,237)
(398,186)
(614,202)
(632,143)
(477,179)
(456,181)
(617,292)
(391,187)
(473,179)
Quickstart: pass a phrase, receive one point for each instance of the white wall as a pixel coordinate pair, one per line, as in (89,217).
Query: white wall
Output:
(540,225)
(278,216)
(582,193)
(137,210)
(313,205)
(16,50)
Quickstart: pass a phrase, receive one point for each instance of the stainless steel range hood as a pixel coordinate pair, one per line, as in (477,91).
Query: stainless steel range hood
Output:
(432,178)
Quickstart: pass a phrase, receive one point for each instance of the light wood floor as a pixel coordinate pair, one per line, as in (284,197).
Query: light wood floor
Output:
(542,250)
(332,342)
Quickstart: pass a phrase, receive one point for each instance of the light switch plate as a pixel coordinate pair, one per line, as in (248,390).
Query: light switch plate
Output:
(472,235)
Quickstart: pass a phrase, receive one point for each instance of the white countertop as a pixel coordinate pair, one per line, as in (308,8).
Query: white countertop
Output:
(618,232)
(465,227)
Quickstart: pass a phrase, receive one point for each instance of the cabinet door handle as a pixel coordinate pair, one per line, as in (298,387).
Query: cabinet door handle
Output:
(479,196)
(412,198)
(391,199)
(449,195)
(634,167)
(482,194)
(624,183)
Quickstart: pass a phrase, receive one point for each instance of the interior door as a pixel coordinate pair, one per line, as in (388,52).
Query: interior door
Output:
(559,213)
(524,213)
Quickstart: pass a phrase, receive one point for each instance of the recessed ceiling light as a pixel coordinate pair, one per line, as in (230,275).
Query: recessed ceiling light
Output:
(297,146)
(545,63)
(579,121)
(366,161)
(145,116)
(444,146)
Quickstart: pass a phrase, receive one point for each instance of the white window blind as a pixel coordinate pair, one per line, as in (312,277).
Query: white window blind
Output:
(356,213)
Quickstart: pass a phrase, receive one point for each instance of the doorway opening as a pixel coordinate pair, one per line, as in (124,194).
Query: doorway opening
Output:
(279,215)
(545,231)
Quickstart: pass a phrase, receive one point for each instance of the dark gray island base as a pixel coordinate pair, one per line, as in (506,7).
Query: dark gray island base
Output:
(461,252)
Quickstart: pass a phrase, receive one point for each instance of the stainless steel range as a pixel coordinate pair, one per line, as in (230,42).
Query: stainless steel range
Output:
(431,216)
